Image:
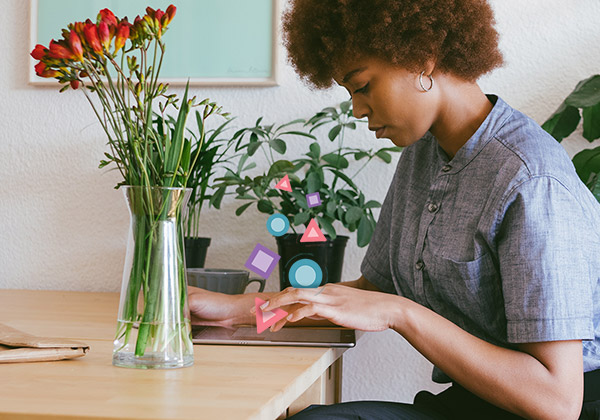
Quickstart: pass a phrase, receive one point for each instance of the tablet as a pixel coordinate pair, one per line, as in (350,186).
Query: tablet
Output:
(290,336)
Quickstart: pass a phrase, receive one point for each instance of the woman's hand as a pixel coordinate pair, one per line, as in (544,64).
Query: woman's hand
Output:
(218,309)
(342,305)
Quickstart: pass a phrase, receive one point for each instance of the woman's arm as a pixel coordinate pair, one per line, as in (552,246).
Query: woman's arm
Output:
(539,381)
(219,309)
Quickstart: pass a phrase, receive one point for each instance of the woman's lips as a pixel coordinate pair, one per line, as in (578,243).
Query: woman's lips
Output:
(379,132)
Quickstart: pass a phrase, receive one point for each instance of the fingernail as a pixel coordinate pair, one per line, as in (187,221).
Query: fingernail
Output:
(289,317)
(252,310)
(264,305)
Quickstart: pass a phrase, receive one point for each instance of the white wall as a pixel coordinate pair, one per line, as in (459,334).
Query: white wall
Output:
(63,226)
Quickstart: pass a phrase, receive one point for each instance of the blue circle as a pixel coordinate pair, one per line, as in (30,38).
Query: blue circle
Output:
(305,273)
(278,225)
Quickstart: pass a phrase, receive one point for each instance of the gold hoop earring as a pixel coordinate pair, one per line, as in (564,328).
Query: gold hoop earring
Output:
(421,82)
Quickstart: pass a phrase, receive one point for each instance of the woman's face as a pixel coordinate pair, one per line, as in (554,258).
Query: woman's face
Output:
(391,98)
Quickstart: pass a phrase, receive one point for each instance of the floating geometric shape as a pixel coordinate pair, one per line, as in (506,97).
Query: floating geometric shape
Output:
(305,273)
(313,233)
(262,261)
(278,224)
(313,200)
(284,184)
(265,319)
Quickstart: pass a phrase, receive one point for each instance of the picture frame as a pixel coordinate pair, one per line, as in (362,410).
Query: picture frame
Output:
(232,43)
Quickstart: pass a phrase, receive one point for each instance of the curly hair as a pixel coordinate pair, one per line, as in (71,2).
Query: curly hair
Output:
(458,35)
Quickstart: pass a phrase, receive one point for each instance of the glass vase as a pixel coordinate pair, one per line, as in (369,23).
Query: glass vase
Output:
(153,327)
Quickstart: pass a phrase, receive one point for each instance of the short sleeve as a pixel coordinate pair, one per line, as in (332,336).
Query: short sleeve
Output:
(546,255)
(376,266)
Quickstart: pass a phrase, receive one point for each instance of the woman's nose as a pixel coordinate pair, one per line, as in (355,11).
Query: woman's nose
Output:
(359,108)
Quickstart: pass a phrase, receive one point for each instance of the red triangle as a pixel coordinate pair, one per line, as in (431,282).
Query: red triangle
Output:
(284,184)
(265,319)
(313,233)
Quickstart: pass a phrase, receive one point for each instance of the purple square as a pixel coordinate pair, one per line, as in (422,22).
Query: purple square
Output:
(313,199)
(262,261)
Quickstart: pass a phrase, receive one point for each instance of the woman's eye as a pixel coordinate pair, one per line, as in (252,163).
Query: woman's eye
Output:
(363,89)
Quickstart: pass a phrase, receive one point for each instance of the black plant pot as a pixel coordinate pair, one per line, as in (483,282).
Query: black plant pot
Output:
(195,252)
(329,255)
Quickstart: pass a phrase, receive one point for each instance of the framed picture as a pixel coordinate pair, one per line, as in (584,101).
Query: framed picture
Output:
(210,42)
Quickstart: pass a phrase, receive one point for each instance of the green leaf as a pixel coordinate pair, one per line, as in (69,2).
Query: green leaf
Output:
(330,208)
(353,215)
(372,204)
(340,162)
(242,208)
(360,155)
(591,122)
(315,150)
(253,147)
(563,122)
(345,177)
(587,162)
(299,133)
(217,197)
(265,206)
(595,187)
(280,166)
(278,145)
(301,218)
(365,231)
(313,182)
(586,93)
(327,227)
(334,132)
(383,155)
(345,106)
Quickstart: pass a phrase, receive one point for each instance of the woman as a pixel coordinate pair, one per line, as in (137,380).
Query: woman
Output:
(485,253)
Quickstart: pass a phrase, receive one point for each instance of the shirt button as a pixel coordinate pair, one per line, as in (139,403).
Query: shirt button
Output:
(446,168)
(432,207)
(419,265)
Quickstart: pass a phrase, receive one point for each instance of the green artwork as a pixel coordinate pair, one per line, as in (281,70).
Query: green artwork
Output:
(208,39)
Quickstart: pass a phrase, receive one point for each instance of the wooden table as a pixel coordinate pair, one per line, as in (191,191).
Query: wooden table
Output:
(225,382)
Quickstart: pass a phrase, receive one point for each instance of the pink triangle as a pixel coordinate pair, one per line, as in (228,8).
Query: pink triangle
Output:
(284,184)
(265,319)
(313,233)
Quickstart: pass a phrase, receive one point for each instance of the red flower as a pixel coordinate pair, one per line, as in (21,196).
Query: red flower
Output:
(108,17)
(91,36)
(60,51)
(158,15)
(150,12)
(104,34)
(39,52)
(74,84)
(122,35)
(75,43)
(168,17)
(42,71)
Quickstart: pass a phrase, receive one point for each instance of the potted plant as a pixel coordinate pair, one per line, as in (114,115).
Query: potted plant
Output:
(585,97)
(328,173)
(116,64)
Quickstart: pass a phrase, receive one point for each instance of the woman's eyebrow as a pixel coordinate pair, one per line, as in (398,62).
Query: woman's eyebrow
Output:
(352,73)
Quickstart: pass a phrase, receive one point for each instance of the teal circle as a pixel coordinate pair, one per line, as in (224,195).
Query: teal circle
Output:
(278,224)
(305,273)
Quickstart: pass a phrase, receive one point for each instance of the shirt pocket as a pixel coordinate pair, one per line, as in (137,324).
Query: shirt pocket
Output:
(471,288)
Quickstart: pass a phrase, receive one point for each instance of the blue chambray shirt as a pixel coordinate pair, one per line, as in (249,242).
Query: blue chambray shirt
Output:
(503,240)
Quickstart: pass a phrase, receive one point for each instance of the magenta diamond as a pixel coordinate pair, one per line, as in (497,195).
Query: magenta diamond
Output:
(313,200)
(262,261)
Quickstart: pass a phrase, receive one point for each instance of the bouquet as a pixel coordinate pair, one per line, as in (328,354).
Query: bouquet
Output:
(116,64)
